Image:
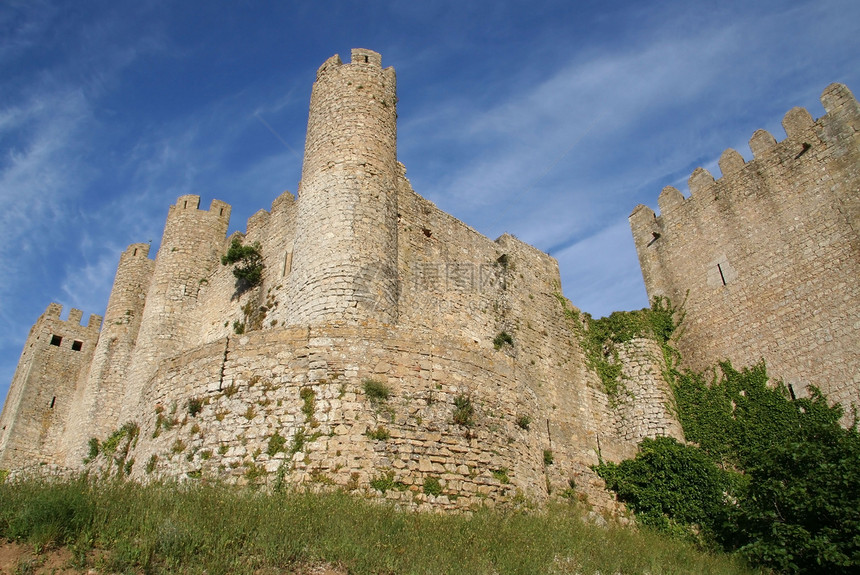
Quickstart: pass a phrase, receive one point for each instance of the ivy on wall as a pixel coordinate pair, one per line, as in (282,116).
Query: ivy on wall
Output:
(600,338)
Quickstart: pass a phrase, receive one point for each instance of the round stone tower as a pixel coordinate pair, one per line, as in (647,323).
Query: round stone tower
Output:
(191,247)
(97,409)
(345,257)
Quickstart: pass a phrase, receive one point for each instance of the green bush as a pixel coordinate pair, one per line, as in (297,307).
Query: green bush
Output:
(249,271)
(776,479)
(668,485)
(523,421)
(801,510)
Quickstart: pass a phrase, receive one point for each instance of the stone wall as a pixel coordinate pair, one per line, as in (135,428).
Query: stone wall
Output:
(307,386)
(766,258)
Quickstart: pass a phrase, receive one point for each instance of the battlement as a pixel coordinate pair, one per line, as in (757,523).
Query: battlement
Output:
(54,310)
(192,202)
(803,134)
(140,250)
(360,56)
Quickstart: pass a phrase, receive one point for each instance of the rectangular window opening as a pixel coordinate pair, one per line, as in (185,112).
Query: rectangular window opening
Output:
(722,277)
(77,345)
(791,392)
(53,401)
(56,340)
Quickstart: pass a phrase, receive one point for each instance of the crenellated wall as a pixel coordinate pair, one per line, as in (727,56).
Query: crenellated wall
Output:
(766,259)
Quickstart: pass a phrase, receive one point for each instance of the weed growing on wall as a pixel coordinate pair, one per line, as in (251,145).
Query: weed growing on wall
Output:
(502,338)
(276,443)
(464,412)
(376,391)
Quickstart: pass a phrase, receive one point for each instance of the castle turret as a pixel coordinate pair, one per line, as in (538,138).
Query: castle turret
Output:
(191,247)
(96,408)
(55,359)
(344,262)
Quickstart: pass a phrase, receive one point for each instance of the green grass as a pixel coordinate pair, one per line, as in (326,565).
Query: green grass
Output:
(219,529)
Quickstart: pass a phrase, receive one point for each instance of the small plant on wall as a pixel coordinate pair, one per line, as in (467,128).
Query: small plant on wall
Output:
(247,262)
(464,412)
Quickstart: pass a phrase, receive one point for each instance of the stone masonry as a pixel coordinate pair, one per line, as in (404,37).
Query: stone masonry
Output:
(766,259)
(481,382)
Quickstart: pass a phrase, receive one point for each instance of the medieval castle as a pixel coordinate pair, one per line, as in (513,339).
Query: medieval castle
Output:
(388,346)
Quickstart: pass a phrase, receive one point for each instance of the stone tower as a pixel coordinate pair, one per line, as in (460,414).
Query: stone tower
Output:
(345,257)
(54,362)
(190,248)
(96,408)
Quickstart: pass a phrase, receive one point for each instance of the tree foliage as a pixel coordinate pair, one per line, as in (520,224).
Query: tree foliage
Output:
(774,478)
(670,486)
(247,261)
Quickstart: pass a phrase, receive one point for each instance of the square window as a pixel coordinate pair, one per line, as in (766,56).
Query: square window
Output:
(56,340)
(77,345)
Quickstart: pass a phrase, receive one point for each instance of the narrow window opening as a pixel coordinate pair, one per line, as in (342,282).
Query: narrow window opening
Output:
(791,392)
(56,340)
(722,277)
(135,252)
(366,60)
(288,263)
(77,345)
(53,401)
(221,212)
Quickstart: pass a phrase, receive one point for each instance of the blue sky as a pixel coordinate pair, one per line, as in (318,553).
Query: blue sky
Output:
(548,120)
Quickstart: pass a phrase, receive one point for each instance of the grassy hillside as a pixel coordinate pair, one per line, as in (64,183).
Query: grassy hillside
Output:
(219,529)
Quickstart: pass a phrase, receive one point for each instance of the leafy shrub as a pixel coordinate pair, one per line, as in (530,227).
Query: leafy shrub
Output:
(523,421)
(464,412)
(249,271)
(669,483)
